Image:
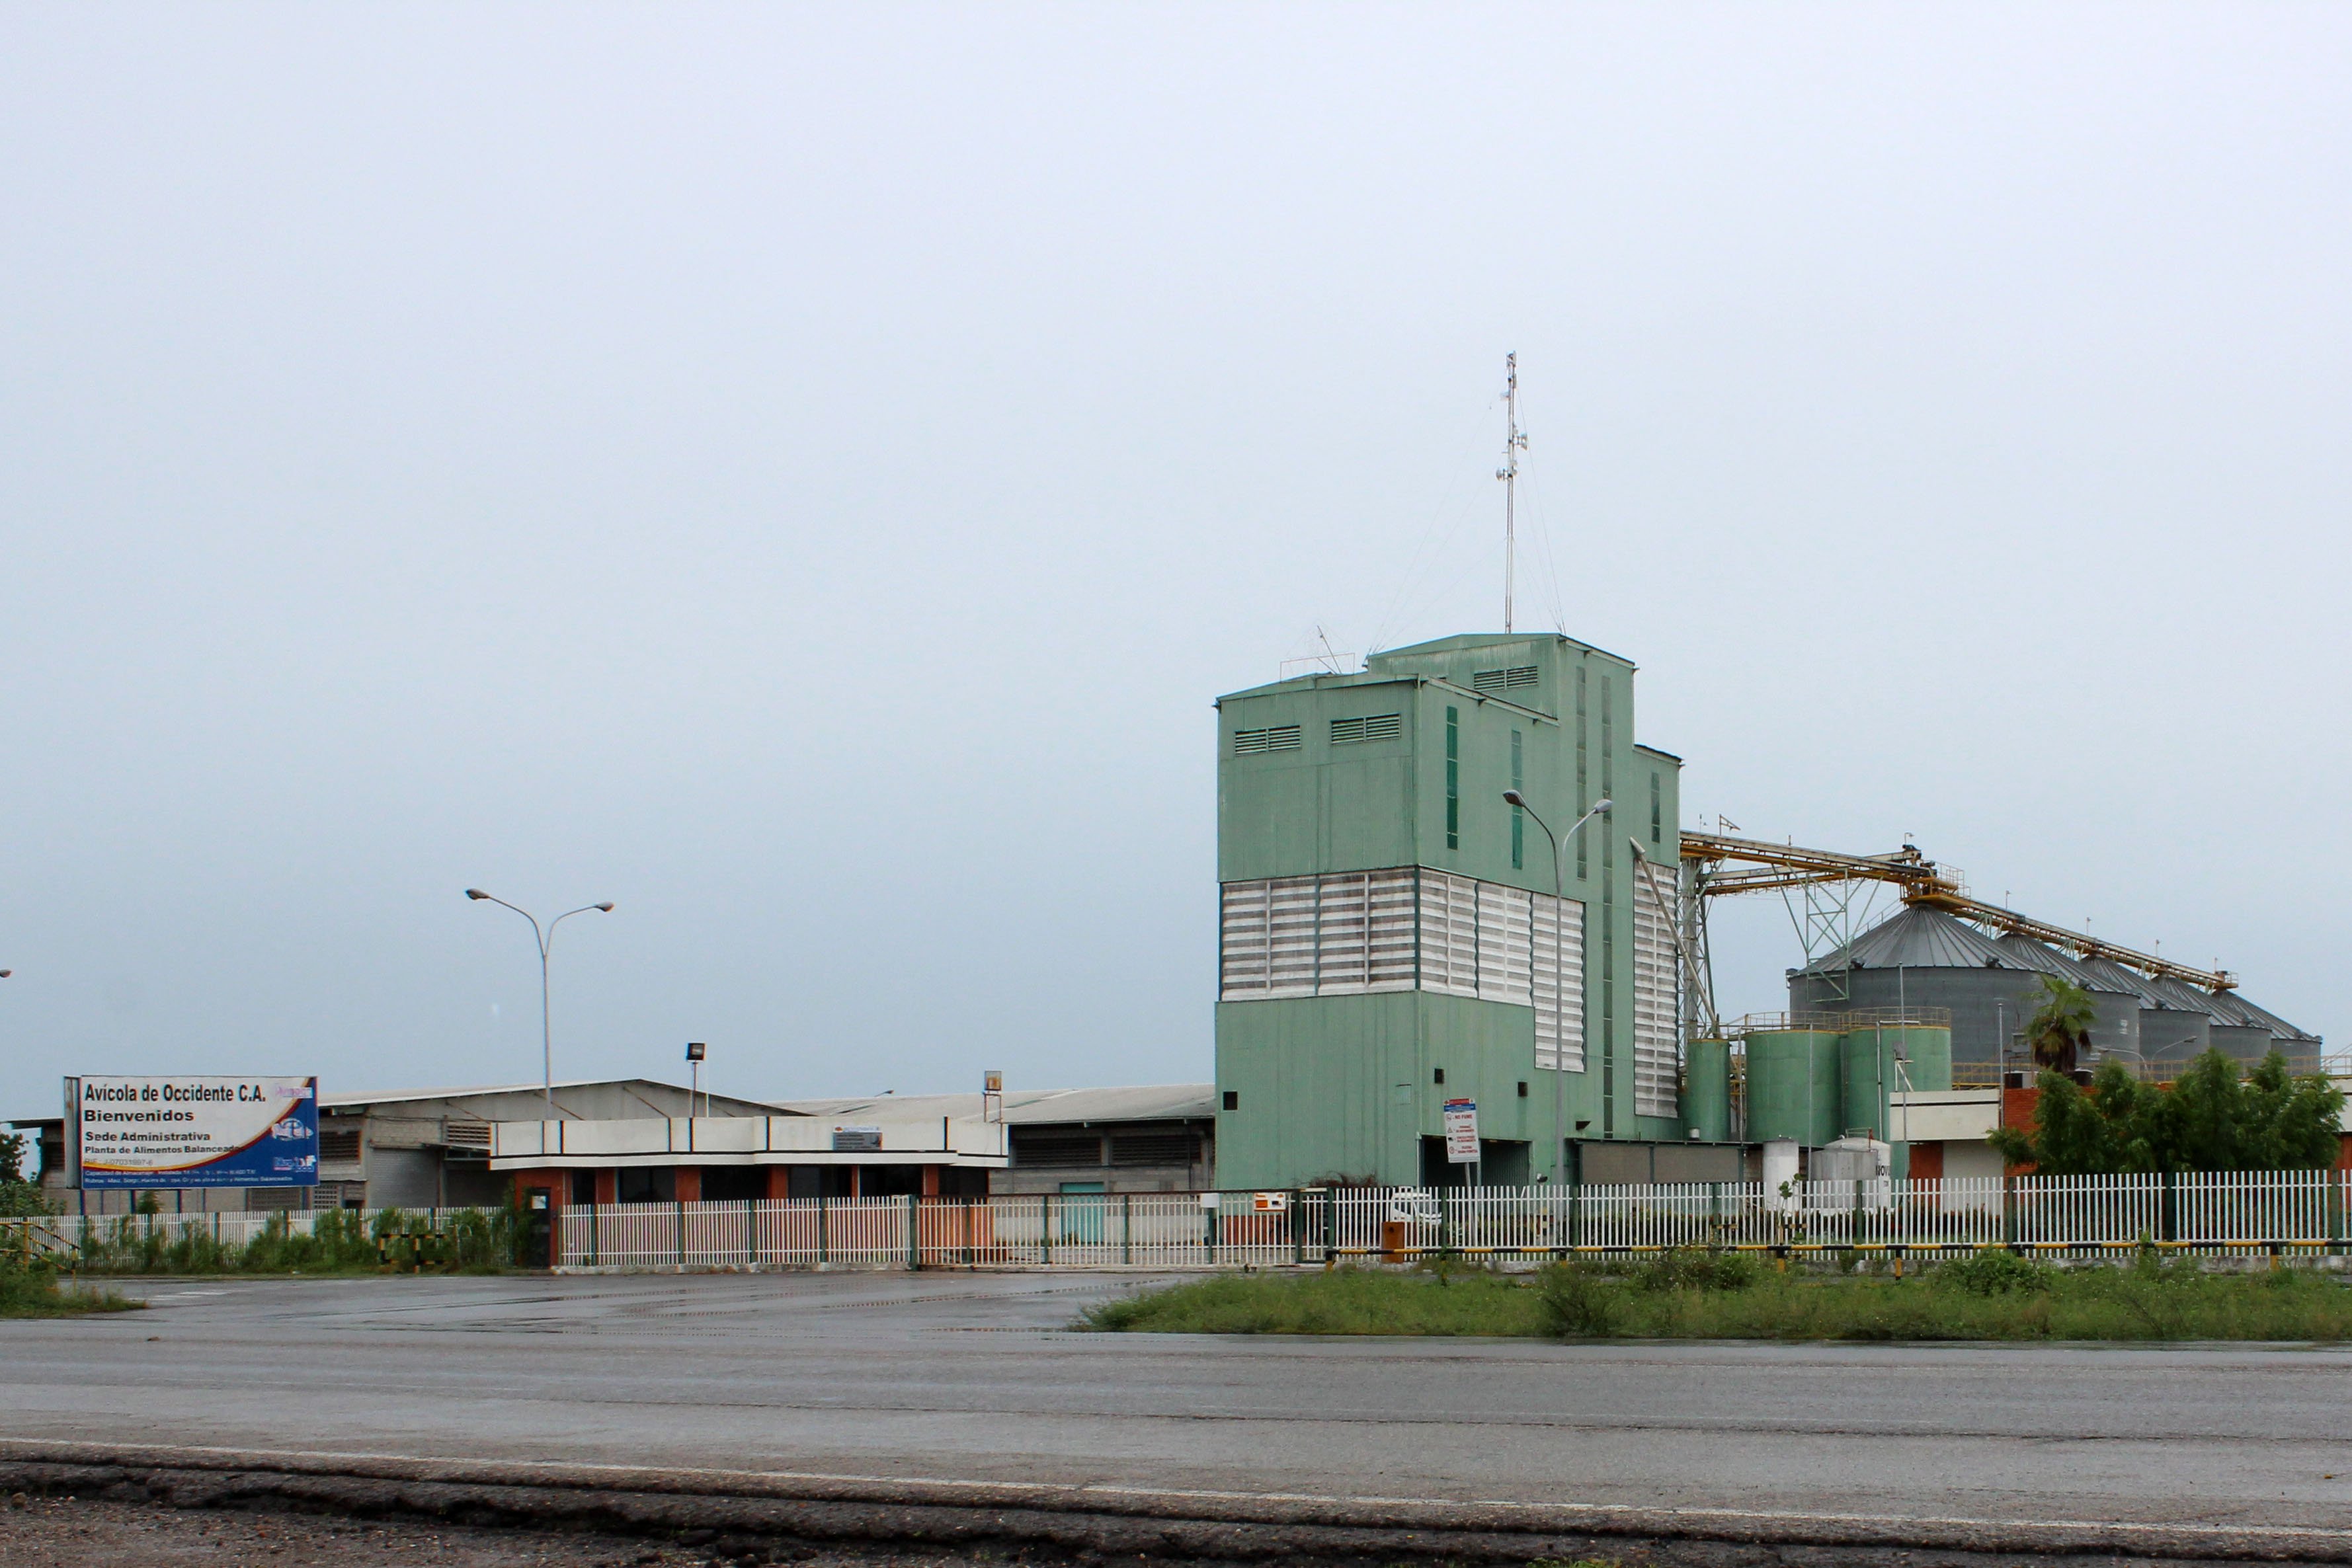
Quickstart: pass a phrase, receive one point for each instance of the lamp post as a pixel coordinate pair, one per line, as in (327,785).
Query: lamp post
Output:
(1559,980)
(546,939)
(695,1051)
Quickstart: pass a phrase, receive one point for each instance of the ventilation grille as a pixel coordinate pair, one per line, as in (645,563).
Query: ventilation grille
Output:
(1377,727)
(1656,1000)
(338,1143)
(1508,680)
(467,1135)
(1064,1150)
(1280,738)
(1154,1149)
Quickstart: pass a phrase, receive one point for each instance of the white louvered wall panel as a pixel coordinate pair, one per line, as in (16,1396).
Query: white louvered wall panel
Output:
(1342,958)
(1449,934)
(1506,931)
(1290,936)
(1656,1075)
(1242,956)
(1559,1036)
(1389,904)
(1401,928)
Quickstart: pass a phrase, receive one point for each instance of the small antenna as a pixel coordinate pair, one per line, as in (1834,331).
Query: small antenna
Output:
(1330,658)
(1515,441)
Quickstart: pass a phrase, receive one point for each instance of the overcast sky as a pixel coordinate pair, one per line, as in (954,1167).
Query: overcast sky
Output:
(804,472)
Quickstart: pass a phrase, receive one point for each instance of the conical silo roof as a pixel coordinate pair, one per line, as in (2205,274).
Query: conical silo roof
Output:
(1917,938)
(2046,959)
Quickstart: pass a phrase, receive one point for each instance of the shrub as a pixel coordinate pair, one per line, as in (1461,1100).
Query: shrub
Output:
(1695,1269)
(1992,1272)
(1578,1300)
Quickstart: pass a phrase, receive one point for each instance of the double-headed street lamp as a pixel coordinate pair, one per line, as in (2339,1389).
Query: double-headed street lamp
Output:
(546,940)
(1559,977)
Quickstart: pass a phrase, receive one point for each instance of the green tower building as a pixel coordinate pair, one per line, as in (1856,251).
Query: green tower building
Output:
(1390,938)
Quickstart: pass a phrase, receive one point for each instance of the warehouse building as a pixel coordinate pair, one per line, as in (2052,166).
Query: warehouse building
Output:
(1145,1139)
(411,1148)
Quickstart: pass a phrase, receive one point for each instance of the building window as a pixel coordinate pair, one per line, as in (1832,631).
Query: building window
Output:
(1583,793)
(1277,737)
(1441,1076)
(1453,779)
(1233,1099)
(1373,727)
(1518,817)
(1656,819)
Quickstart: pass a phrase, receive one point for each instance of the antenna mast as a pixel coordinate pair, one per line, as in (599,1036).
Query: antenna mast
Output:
(1515,441)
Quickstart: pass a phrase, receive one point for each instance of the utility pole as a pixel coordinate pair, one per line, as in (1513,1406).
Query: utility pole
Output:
(1515,441)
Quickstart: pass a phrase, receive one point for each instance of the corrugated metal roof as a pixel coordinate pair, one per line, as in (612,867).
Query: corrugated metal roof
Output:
(1919,938)
(2131,982)
(591,1098)
(1030,1107)
(2247,1014)
(2048,960)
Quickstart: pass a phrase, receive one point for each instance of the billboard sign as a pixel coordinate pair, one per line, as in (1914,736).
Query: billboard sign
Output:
(187,1130)
(1462,1132)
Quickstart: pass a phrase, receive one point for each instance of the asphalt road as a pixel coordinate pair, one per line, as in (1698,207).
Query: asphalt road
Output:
(976,1377)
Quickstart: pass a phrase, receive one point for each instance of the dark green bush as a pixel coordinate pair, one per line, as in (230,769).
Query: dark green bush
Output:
(1992,1272)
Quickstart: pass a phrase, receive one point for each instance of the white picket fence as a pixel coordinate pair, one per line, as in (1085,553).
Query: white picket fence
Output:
(2224,1212)
(2288,1211)
(1082,1230)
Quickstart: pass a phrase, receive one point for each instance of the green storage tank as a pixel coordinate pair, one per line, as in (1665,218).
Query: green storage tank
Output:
(1706,1091)
(1792,1085)
(1927,1058)
(1866,1071)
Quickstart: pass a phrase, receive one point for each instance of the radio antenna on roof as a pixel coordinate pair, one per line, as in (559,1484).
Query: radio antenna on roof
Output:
(1515,441)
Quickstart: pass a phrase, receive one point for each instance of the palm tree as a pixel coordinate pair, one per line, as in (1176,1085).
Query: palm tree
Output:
(2061,1028)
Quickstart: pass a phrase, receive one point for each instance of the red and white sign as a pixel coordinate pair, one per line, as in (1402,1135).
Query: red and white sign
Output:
(1462,1132)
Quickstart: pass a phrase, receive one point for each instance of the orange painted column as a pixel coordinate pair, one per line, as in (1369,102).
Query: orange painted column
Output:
(689,1184)
(779,1181)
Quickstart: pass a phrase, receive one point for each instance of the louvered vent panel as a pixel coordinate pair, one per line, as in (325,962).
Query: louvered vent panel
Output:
(1154,1148)
(1512,679)
(1505,930)
(1290,936)
(1373,727)
(1559,983)
(1449,934)
(1063,1149)
(1243,954)
(1279,738)
(1342,959)
(1390,935)
(1656,1067)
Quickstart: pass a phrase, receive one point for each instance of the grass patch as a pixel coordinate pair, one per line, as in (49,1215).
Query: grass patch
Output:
(35,1293)
(1700,1295)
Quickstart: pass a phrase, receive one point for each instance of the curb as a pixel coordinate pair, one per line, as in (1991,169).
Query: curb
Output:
(1083,1522)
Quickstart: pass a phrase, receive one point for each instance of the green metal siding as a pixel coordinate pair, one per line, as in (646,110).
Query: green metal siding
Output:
(1366,806)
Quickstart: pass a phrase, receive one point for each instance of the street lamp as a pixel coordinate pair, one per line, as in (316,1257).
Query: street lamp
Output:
(1559,980)
(546,938)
